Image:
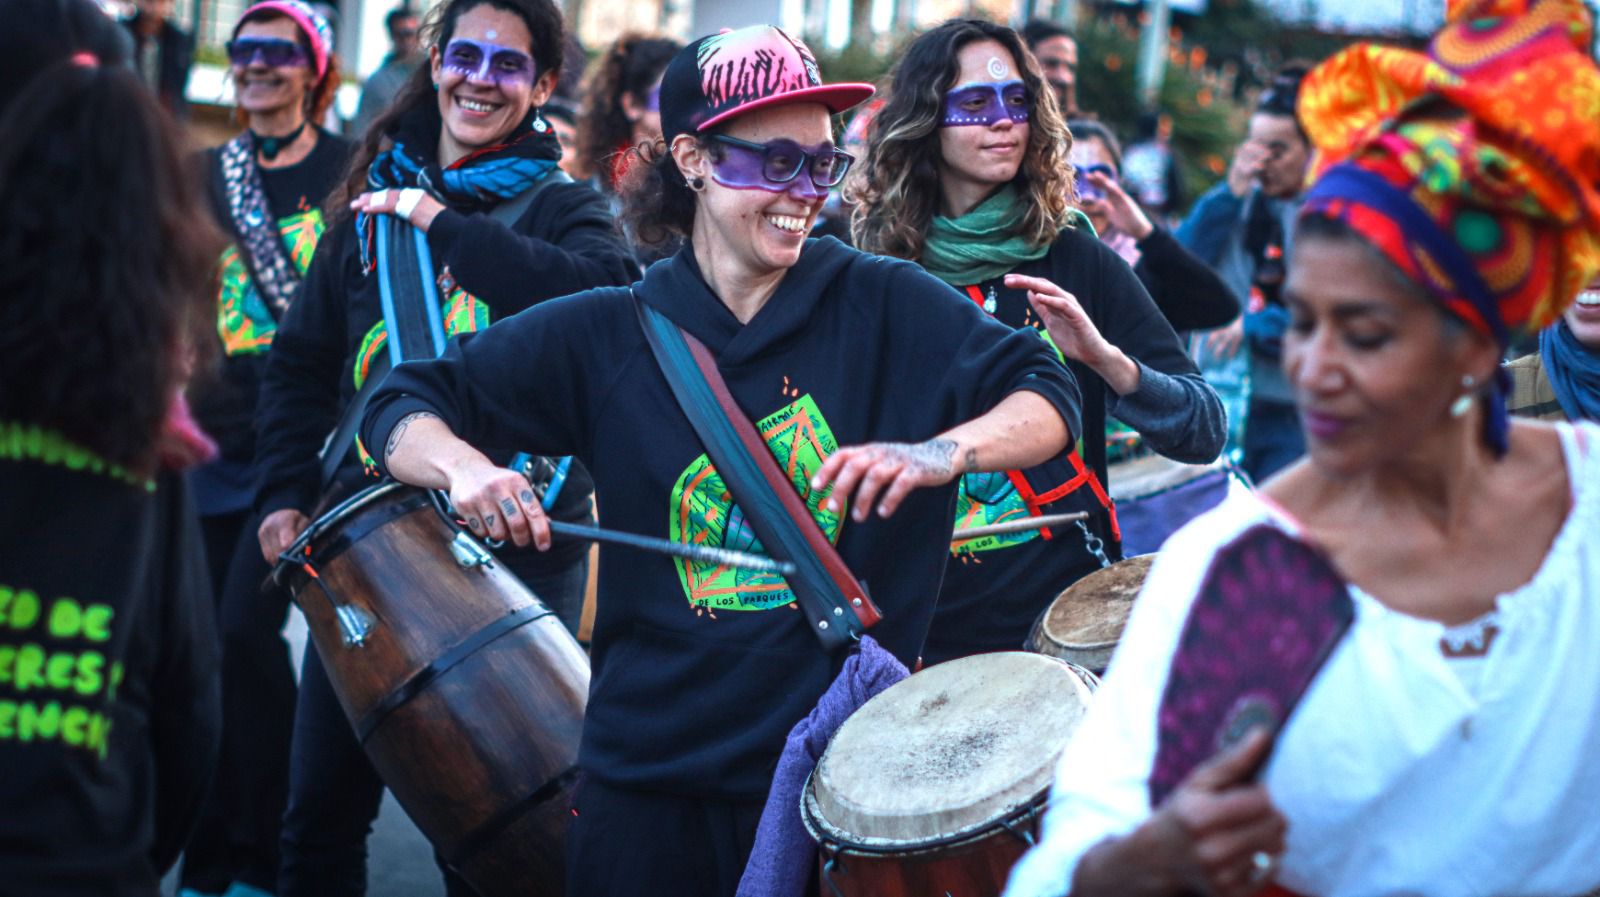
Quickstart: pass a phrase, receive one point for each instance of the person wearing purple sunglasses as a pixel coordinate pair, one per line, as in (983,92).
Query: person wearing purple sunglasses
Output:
(968,176)
(874,384)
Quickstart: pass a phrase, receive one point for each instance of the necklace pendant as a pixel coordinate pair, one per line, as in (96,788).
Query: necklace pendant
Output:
(990,304)
(447,282)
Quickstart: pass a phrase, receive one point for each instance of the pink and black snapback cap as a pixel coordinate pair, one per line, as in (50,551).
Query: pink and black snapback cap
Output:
(723,75)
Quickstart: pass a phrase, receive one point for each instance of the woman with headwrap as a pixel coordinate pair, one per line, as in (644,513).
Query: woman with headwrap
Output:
(1446,747)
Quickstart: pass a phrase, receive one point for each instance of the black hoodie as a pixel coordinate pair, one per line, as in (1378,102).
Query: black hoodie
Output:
(699,673)
(565,242)
(110,712)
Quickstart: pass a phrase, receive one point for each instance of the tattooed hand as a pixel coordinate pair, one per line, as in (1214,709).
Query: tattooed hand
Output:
(891,469)
(499,504)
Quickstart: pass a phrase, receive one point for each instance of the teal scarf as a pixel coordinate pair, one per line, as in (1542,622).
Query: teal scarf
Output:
(982,244)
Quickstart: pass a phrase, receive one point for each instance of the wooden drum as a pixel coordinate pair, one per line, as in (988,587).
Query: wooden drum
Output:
(464,689)
(936,785)
(1085,622)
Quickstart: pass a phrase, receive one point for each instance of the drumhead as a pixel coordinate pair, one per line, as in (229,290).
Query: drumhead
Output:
(1085,622)
(950,751)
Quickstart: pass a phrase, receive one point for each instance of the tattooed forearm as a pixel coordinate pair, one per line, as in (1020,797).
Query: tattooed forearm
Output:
(400,430)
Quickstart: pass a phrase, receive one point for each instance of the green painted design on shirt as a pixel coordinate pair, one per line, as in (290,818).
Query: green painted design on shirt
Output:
(28,442)
(703,513)
(243,320)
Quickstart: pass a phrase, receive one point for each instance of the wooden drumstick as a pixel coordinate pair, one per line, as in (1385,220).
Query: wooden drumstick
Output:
(705,554)
(1016,526)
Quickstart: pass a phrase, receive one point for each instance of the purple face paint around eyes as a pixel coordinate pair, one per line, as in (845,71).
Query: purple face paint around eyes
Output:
(1087,191)
(652,100)
(487,62)
(985,104)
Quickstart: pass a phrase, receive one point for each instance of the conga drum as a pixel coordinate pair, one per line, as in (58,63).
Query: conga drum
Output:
(464,689)
(1155,496)
(1083,625)
(936,785)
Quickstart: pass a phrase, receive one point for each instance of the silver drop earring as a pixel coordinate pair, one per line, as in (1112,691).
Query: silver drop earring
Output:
(1463,404)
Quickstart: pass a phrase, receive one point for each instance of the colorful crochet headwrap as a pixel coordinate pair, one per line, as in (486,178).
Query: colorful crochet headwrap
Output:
(1474,166)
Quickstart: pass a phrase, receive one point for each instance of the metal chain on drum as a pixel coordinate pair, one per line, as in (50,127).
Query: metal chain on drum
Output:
(1095,546)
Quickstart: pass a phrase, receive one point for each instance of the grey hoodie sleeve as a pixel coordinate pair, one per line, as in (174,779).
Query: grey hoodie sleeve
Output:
(1179,415)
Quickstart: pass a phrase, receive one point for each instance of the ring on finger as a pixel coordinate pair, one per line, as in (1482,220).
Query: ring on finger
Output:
(1262,865)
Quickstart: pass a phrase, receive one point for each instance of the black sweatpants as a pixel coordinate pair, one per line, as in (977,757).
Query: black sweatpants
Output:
(626,843)
(236,838)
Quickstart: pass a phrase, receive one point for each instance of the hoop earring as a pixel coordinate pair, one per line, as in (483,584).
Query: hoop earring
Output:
(1463,404)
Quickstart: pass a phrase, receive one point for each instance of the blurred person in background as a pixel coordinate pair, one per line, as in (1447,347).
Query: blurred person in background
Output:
(109,716)
(1241,227)
(163,53)
(1056,49)
(266,188)
(1150,168)
(405,54)
(1561,380)
(622,106)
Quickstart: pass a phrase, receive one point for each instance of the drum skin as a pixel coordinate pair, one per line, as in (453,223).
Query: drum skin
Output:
(1085,622)
(937,784)
(468,694)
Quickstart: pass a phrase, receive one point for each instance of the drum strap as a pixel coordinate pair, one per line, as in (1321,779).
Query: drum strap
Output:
(836,605)
(1082,475)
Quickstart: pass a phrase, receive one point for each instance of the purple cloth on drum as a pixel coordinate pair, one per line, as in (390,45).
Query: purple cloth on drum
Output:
(780,863)
(1147,522)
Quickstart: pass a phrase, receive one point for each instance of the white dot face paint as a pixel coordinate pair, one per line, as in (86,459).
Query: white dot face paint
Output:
(492,34)
(998,68)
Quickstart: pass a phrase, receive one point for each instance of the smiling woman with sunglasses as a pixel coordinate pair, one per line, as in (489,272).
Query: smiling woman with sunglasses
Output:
(874,384)
(968,175)
(266,188)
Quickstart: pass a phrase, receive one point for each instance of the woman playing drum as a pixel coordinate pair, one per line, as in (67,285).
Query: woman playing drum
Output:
(1446,747)
(701,671)
(968,175)
(455,159)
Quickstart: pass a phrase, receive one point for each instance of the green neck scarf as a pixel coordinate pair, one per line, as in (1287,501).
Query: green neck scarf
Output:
(981,245)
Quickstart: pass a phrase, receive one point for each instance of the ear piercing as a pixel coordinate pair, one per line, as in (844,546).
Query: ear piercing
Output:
(1464,404)
(697,184)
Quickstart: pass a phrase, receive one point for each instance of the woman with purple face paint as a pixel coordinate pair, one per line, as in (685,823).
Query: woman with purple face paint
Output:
(266,188)
(873,384)
(463,169)
(968,175)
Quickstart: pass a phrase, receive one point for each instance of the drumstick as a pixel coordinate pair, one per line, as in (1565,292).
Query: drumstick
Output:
(1016,526)
(705,554)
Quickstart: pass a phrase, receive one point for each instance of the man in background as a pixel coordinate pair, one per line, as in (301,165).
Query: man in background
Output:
(1057,51)
(163,52)
(385,83)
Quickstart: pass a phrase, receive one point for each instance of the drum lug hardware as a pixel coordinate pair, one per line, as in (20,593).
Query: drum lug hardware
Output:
(468,553)
(829,867)
(354,623)
(1022,835)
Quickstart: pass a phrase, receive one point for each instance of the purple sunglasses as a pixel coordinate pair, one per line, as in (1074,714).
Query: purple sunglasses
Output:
(775,166)
(487,62)
(274,52)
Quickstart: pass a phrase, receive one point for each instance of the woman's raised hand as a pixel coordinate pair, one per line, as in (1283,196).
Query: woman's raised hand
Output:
(1121,209)
(889,469)
(1075,334)
(499,504)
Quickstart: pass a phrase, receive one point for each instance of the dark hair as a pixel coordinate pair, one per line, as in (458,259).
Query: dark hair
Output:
(544,23)
(107,248)
(1085,128)
(1282,95)
(395,15)
(896,188)
(1037,31)
(322,94)
(657,203)
(631,65)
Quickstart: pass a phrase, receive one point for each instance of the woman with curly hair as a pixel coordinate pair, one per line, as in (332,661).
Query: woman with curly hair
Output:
(622,106)
(968,175)
(109,715)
